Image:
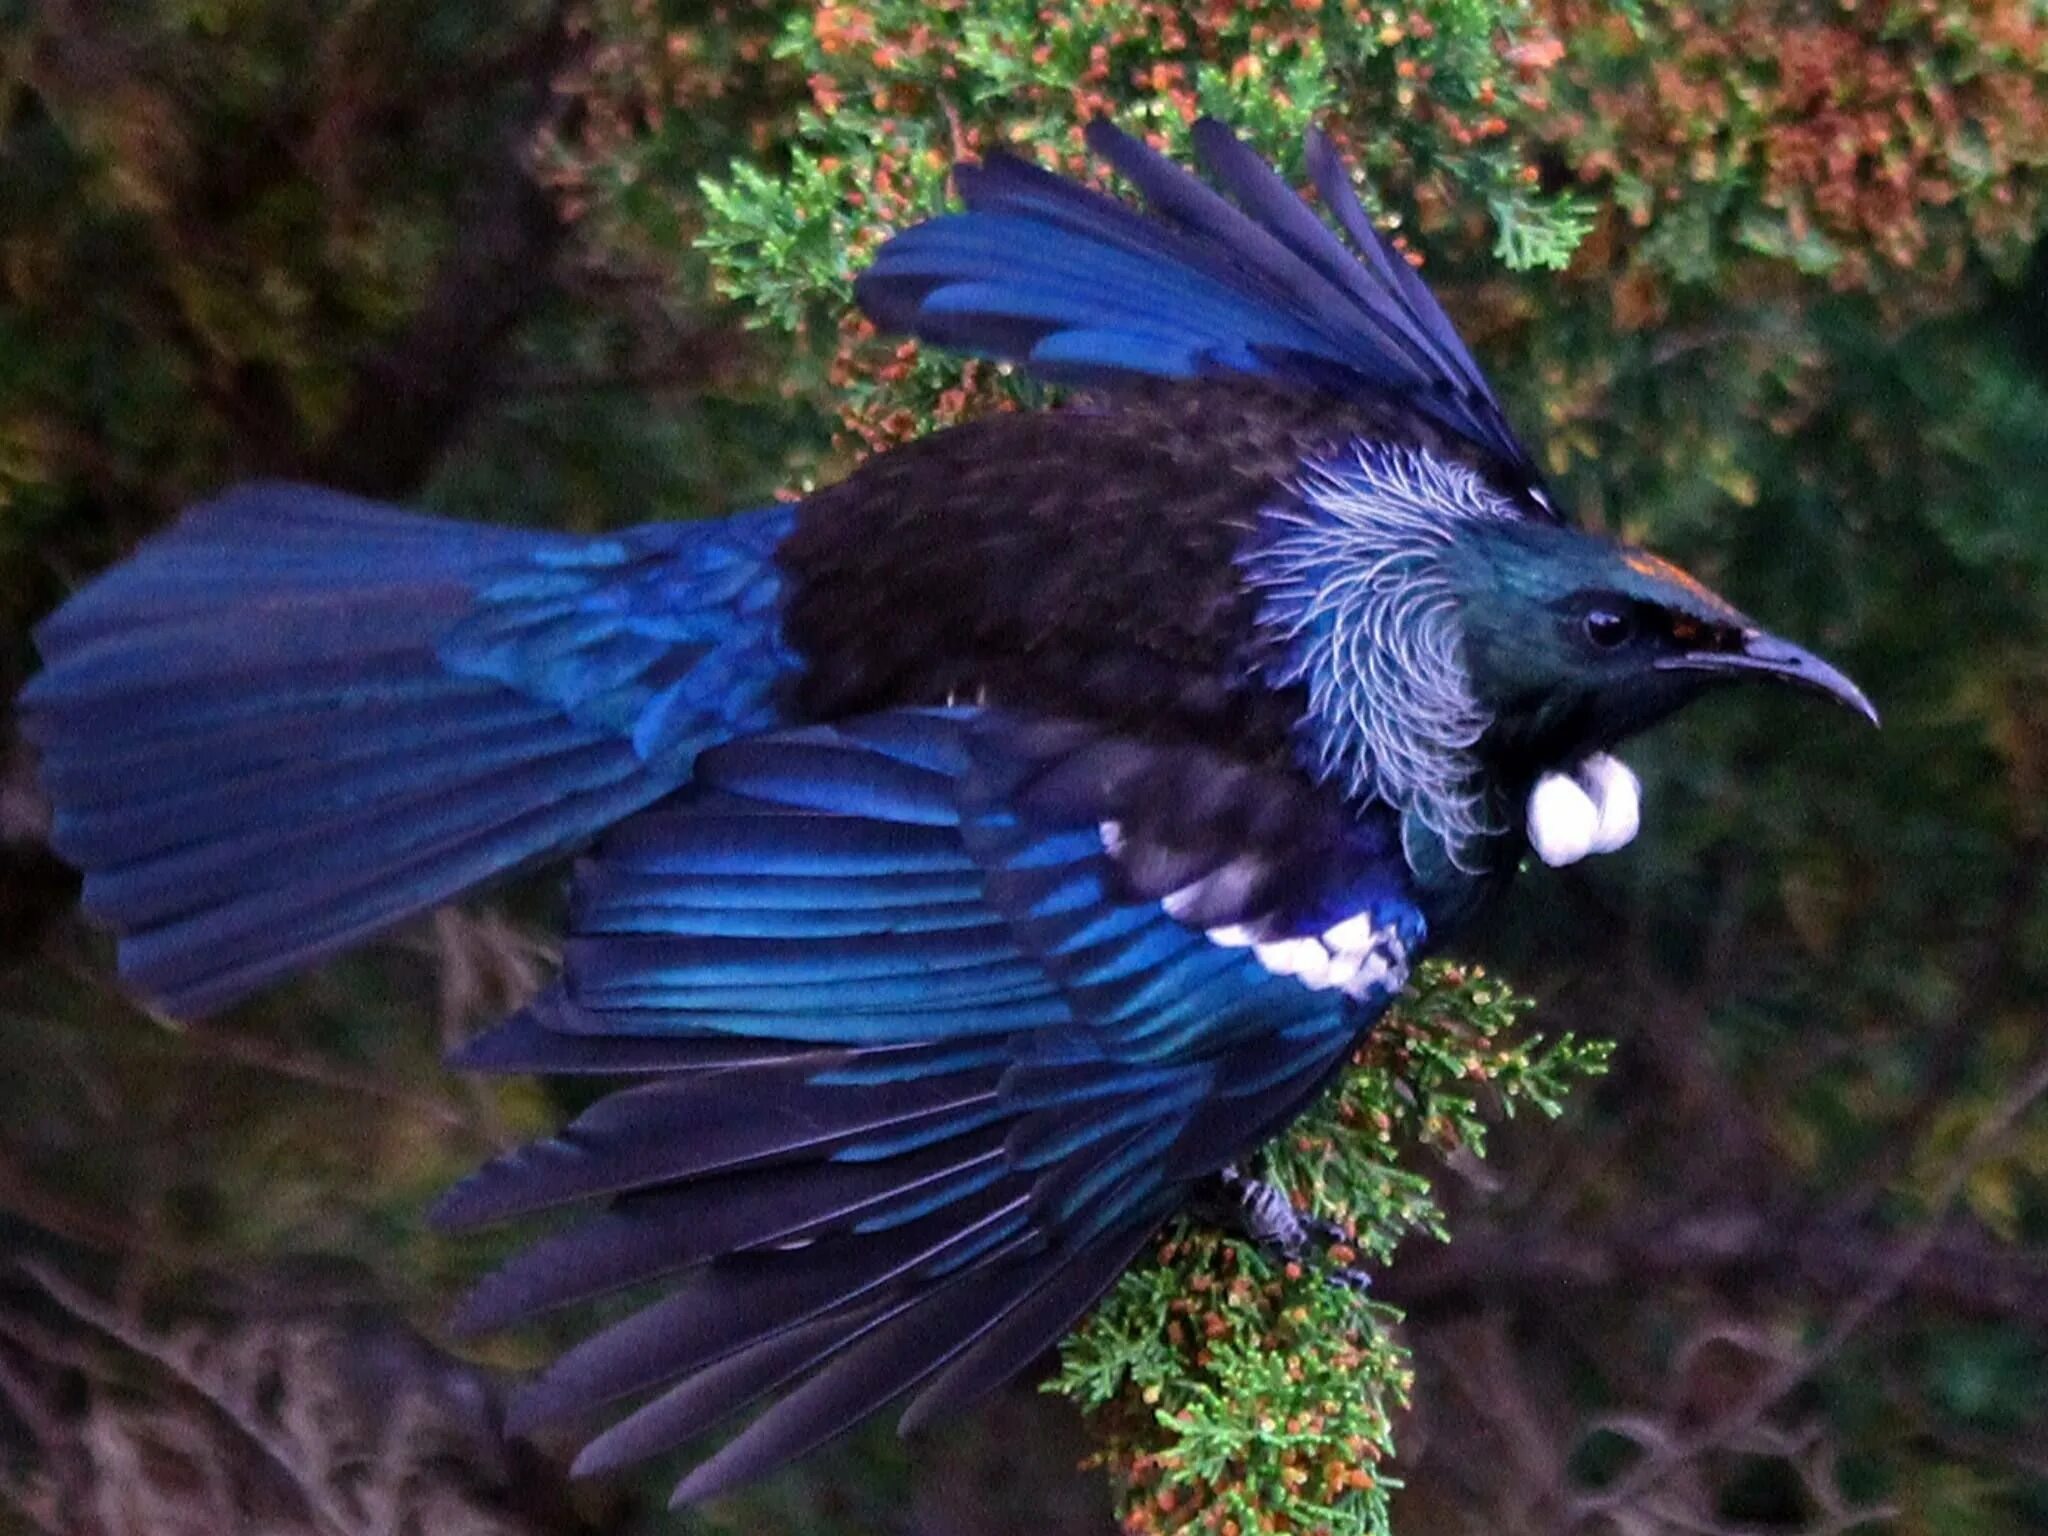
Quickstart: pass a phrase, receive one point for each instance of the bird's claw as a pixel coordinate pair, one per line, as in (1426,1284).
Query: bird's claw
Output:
(1325,1232)
(1267,1218)
(1350,1277)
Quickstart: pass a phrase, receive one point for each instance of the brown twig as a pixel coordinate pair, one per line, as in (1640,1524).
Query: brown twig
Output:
(483,963)
(281,1061)
(22,1195)
(325,1513)
(1884,1287)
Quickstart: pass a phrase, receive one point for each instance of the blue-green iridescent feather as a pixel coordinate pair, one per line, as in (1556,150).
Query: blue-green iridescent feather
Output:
(295,717)
(1003,1082)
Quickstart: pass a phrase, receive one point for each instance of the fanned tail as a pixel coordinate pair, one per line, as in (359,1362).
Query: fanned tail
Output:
(296,717)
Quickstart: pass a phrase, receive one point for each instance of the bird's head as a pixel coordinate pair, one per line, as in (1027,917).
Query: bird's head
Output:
(1572,642)
(1453,648)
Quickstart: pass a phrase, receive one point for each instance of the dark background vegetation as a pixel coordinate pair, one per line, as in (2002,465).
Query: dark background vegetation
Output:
(1784,1269)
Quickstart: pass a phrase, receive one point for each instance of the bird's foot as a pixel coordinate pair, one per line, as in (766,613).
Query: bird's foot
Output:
(1262,1213)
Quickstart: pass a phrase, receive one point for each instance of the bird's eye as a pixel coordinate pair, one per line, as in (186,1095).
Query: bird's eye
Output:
(1607,628)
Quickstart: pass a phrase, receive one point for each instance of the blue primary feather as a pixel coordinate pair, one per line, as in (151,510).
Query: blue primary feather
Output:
(907,1104)
(297,717)
(1081,288)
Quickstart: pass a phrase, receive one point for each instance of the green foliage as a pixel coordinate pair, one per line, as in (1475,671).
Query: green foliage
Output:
(1451,1054)
(1869,146)
(1242,1398)
(1547,239)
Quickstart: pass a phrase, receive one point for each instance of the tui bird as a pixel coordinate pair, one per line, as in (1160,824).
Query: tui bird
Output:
(987,851)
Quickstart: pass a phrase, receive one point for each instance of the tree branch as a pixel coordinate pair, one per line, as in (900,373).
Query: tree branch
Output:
(412,396)
(1895,1278)
(1826,1256)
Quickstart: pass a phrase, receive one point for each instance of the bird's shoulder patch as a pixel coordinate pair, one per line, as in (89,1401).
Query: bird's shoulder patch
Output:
(1364,956)
(1325,899)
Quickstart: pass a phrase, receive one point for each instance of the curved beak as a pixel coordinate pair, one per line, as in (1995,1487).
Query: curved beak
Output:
(1768,657)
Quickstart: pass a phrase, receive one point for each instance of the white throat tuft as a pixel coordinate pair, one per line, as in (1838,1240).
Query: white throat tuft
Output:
(1596,808)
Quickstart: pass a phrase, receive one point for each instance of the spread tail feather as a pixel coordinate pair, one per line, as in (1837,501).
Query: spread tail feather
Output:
(296,717)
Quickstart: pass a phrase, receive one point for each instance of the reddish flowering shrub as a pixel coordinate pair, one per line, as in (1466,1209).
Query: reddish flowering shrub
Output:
(1875,145)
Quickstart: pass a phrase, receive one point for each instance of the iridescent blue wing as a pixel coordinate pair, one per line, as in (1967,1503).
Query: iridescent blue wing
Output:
(1079,287)
(296,717)
(926,1054)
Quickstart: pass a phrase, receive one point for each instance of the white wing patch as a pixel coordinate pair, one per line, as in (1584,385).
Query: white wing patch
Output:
(1353,957)
(1356,956)
(1596,808)
(1229,887)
